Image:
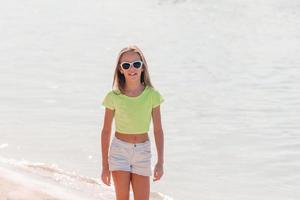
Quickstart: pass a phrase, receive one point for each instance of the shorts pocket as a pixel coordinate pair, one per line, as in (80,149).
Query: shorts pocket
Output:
(114,149)
(146,151)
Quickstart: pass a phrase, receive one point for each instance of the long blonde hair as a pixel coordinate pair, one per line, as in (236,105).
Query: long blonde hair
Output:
(119,78)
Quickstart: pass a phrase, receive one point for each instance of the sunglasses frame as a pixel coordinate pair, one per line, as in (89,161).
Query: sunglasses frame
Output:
(131,64)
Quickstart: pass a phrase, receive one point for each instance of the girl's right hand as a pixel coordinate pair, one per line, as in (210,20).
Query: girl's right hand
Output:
(105,176)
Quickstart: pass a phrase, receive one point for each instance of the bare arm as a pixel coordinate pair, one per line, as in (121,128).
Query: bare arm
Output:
(158,134)
(105,136)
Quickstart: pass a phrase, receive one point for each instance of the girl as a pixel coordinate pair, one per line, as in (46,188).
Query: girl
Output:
(133,101)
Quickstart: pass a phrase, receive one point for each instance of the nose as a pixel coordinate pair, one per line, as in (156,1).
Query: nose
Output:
(132,68)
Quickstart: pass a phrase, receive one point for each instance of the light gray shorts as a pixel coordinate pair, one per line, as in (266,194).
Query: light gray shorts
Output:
(135,158)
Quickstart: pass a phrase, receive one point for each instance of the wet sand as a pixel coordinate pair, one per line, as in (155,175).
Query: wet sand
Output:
(12,190)
(18,185)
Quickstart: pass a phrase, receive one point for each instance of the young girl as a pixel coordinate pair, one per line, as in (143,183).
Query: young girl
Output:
(133,102)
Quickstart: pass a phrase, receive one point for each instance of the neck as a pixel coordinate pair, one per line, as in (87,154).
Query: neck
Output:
(133,86)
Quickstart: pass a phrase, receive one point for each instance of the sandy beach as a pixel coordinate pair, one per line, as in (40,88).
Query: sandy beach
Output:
(19,184)
(12,190)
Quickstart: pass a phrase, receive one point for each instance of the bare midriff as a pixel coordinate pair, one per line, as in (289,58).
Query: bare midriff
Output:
(132,138)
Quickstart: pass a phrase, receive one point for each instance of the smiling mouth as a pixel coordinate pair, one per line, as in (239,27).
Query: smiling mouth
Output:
(132,74)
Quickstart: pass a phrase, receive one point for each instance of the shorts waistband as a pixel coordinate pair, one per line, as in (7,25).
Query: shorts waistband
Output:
(128,144)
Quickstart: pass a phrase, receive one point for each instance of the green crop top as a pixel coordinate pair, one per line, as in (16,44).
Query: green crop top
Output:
(133,114)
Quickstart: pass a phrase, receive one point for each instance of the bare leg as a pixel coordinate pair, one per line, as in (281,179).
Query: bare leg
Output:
(140,186)
(122,184)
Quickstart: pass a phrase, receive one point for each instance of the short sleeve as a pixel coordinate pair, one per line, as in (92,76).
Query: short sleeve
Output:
(157,99)
(108,101)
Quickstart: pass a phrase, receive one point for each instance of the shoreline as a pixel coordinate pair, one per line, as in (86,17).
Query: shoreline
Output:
(12,190)
(39,181)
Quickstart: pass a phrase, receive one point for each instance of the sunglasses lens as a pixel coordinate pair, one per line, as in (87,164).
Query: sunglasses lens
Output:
(125,65)
(137,64)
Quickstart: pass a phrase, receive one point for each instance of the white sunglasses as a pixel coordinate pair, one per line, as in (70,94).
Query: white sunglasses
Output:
(136,64)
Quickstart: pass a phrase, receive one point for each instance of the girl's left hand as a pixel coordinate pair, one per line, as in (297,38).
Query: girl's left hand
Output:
(158,171)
